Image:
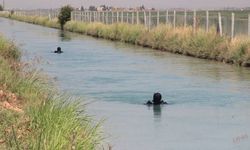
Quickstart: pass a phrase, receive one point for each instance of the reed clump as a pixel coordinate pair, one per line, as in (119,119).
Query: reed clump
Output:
(199,43)
(33,115)
(8,50)
(40,20)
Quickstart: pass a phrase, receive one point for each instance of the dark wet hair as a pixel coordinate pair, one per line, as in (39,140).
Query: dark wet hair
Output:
(58,49)
(157,98)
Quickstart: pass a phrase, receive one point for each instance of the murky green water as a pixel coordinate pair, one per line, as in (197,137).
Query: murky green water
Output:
(209,101)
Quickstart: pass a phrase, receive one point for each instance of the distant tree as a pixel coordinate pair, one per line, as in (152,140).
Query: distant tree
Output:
(12,12)
(64,15)
(142,7)
(92,8)
(82,8)
(1,8)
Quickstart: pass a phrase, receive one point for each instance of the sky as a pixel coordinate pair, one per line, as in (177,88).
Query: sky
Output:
(158,4)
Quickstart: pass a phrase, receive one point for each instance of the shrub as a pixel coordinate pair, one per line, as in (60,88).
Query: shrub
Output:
(1,8)
(64,15)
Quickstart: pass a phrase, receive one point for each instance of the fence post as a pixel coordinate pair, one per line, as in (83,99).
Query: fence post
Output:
(102,17)
(232,27)
(122,16)
(145,18)
(167,17)
(174,18)
(194,21)
(85,16)
(149,19)
(133,17)
(158,18)
(137,17)
(248,24)
(95,16)
(127,17)
(207,21)
(107,17)
(112,17)
(185,18)
(81,16)
(71,16)
(220,24)
(90,16)
(117,16)
(75,16)
(99,16)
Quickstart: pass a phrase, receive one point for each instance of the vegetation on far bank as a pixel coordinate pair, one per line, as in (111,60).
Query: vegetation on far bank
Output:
(180,40)
(39,20)
(33,116)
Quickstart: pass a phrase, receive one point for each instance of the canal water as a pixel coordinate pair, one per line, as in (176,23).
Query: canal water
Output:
(208,101)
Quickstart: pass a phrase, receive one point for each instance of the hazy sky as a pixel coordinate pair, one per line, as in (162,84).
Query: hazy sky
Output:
(162,4)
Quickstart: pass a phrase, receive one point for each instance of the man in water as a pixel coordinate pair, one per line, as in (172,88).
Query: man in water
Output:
(157,100)
(58,50)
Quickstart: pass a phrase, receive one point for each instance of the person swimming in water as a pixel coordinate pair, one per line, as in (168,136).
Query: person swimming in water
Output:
(157,100)
(58,50)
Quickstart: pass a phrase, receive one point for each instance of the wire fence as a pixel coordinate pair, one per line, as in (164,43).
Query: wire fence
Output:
(50,13)
(226,23)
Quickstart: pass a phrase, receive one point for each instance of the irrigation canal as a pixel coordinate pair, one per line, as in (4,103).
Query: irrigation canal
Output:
(209,101)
